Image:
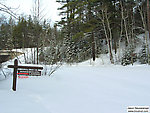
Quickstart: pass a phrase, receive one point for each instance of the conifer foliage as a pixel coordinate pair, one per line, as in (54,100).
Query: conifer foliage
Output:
(143,55)
(87,29)
(129,57)
(97,23)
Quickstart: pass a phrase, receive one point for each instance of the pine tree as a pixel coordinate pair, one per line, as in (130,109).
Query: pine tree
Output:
(93,20)
(129,57)
(143,56)
(6,34)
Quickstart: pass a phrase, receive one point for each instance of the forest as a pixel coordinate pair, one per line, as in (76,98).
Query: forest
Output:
(94,59)
(88,29)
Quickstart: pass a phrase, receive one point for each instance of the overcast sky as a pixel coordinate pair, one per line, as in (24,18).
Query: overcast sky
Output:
(26,7)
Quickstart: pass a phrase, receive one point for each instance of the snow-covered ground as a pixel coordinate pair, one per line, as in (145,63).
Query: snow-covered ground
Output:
(79,89)
(88,87)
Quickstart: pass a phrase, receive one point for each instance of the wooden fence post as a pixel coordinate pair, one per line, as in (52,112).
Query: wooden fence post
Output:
(15,75)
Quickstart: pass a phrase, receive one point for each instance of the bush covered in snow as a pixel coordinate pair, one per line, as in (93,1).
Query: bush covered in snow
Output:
(143,55)
(129,57)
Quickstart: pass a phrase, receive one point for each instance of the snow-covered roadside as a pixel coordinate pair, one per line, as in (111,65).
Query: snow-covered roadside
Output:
(88,87)
(79,89)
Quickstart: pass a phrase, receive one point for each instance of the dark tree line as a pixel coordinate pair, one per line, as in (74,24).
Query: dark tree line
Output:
(88,28)
(28,33)
(94,27)
(25,33)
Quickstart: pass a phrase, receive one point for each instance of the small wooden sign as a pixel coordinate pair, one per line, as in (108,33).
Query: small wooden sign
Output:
(29,72)
(33,71)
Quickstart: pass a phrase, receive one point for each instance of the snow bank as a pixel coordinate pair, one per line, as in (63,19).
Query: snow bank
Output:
(87,87)
(102,60)
(79,89)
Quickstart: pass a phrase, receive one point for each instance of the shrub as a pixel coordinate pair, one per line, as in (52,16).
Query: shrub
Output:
(129,57)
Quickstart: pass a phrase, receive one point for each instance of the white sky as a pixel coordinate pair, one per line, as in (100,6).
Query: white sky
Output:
(26,7)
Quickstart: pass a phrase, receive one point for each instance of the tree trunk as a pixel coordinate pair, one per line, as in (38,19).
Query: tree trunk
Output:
(148,24)
(125,23)
(93,46)
(148,18)
(107,38)
(110,39)
(144,25)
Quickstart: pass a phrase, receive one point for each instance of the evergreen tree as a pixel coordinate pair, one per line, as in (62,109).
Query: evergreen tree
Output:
(6,34)
(20,33)
(143,55)
(129,57)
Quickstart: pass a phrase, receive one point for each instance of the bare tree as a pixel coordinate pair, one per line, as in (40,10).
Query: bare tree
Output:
(145,29)
(148,17)
(8,10)
(107,31)
(124,21)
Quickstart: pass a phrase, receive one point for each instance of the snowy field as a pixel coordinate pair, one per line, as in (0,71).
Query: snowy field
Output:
(79,89)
